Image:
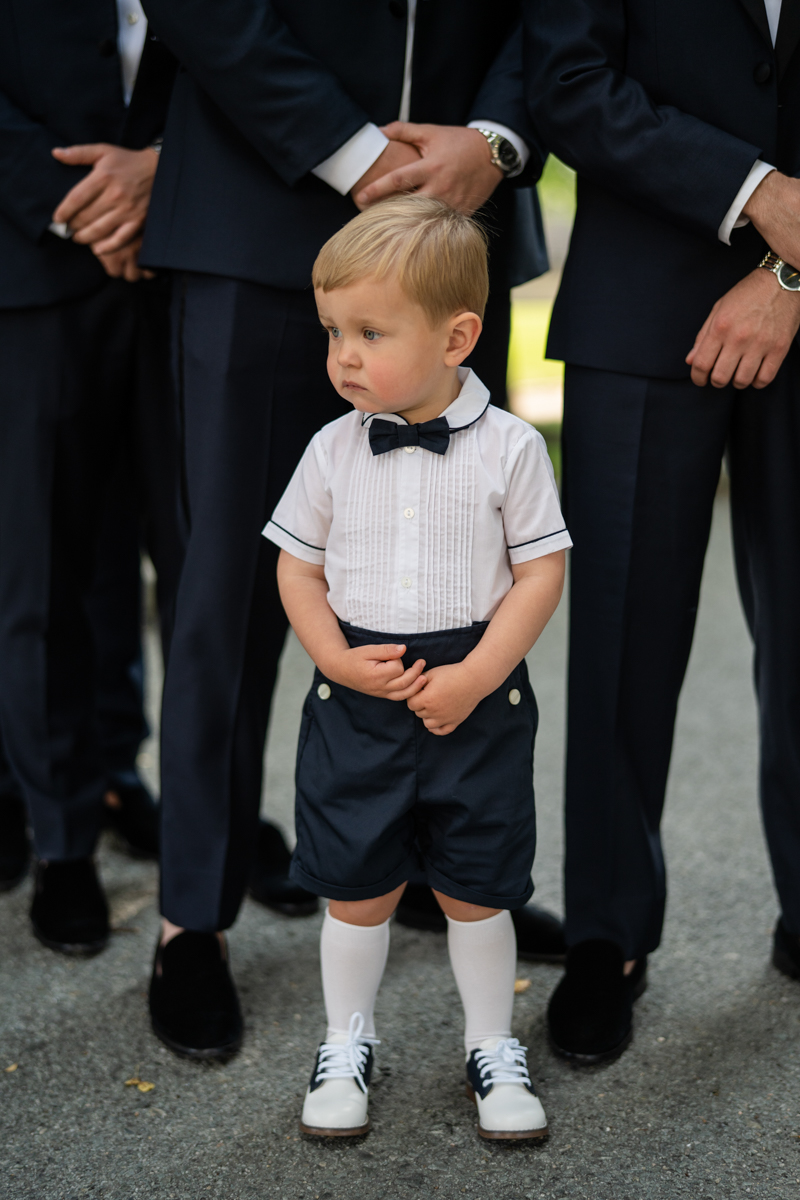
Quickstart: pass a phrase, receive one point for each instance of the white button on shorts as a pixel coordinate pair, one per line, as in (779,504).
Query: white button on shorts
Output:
(406,582)
(324,691)
(408,512)
(409,449)
(514,696)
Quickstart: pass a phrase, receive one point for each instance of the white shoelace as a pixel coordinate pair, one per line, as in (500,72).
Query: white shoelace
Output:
(346,1061)
(505,1064)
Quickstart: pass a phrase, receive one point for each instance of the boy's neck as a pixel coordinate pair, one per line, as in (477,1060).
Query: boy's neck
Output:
(437,403)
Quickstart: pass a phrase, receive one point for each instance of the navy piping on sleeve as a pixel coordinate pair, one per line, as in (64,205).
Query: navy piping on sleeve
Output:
(519,545)
(296,538)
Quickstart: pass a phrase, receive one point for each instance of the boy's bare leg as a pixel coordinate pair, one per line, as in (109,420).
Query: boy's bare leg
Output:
(367,912)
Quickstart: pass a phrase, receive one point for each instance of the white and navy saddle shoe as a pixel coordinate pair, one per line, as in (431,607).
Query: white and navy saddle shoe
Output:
(338,1094)
(499,1083)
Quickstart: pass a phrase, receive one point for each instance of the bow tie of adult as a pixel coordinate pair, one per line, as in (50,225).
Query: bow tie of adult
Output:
(431,435)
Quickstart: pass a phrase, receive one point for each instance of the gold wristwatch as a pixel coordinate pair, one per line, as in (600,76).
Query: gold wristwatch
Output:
(788,277)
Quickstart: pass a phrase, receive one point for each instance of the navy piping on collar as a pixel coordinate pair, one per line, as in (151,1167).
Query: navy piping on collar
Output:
(453,428)
(543,538)
(296,538)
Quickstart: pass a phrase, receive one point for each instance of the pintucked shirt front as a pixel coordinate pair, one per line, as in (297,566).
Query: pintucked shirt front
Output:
(413,541)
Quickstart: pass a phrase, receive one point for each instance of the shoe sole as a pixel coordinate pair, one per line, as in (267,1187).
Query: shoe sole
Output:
(73,949)
(784,963)
(315,1131)
(193,1053)
(506,1135)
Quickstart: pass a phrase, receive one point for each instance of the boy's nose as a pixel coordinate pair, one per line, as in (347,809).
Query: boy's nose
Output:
(348,356)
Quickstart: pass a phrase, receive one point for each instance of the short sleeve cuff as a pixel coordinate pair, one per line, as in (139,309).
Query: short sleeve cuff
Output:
(352,160)
(517,142)
(733,217)
(540,546)
(294,545)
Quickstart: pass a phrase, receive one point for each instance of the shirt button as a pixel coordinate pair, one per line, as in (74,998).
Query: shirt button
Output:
(406,582)
(514,696)
(324,691)
(409,449)
(408,512)
(133,18)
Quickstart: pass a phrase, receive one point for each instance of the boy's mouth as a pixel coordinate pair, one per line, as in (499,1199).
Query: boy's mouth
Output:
(348,383)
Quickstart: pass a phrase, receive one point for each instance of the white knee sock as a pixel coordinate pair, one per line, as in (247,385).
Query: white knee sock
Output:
(352,959)
(483,955)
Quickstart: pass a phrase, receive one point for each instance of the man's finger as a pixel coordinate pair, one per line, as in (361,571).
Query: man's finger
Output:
(747,370)
(404,179)
(705,357)
(119,238)
(405,131)
(78,197)
(79,156)
(726,365)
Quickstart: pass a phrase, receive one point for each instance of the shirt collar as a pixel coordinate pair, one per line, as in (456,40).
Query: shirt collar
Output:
(469,405)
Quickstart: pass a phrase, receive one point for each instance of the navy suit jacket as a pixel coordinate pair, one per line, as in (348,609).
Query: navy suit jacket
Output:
(61,83)
(270,88)
(662,107)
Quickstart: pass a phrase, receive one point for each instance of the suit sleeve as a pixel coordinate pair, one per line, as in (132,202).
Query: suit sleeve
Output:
(291,108)
(32,183)
(501,98)
(603,123)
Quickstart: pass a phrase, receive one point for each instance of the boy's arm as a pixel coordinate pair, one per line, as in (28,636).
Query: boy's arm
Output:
(452,692)
(375,670)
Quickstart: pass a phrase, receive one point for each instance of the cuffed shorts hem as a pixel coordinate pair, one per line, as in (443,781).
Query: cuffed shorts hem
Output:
(332,891)
(469,896)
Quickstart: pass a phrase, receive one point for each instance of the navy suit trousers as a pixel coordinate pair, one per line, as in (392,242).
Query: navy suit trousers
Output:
(641,464)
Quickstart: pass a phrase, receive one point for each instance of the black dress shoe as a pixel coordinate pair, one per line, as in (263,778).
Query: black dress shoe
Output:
(270,883)
(418,909)
(194,1008)
(590,1015)
(135,819)
(786,951)
(69,911)
(15,847)
(540,935)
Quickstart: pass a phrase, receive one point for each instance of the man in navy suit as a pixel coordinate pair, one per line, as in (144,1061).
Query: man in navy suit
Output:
(76,340)
(678,324)
(272,141)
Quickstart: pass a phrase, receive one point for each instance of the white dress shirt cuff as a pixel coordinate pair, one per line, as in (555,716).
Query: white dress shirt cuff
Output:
(733,217)
(352,160)
(60,229)
(516,141)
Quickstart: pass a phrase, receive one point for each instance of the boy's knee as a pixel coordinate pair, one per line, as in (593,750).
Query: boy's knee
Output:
(366,912)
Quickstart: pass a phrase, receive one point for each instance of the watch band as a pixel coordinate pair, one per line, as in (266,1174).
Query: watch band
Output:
(787,276)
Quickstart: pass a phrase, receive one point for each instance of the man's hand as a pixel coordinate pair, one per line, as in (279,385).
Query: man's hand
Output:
(747,334)
(106,210)
(123,264)
(456,166)
(774,209)
(392,161)
(376,671)
(449,696)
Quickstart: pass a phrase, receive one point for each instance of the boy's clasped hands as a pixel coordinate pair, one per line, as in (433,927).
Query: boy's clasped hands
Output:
(442,697)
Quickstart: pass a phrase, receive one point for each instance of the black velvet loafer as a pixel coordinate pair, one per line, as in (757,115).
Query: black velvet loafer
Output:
(786,951)
(69,911)
(540,934)
(270,883)
(15,847)
(590,1015)
(134,819)
(194,1008)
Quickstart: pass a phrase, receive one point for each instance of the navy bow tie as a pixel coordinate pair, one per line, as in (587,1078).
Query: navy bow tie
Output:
(431,435)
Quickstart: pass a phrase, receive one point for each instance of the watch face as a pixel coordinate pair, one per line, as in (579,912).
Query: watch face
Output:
(789,278)
(507,154)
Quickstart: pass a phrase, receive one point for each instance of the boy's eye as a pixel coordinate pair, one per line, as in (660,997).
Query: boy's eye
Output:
(335,333)
(371,335)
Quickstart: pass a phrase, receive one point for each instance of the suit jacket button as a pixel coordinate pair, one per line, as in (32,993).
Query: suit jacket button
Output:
(397,8)
(107,47)
(762,72)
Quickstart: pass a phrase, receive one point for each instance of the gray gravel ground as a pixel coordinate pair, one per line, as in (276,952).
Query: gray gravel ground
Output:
(706,1102)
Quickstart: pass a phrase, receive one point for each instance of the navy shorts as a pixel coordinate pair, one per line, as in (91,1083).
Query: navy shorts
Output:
(378,796)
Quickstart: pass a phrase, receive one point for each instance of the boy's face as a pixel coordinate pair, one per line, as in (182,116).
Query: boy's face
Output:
(383,355)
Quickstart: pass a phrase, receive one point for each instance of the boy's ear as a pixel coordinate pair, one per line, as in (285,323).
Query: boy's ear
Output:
(465,329)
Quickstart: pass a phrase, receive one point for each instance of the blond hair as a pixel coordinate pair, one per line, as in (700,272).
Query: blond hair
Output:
(437,255)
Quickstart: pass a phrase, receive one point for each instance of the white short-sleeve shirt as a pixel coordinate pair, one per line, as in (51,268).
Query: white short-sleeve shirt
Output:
(413,541)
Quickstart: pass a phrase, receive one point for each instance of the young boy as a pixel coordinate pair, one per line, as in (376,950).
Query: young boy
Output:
(422,555)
